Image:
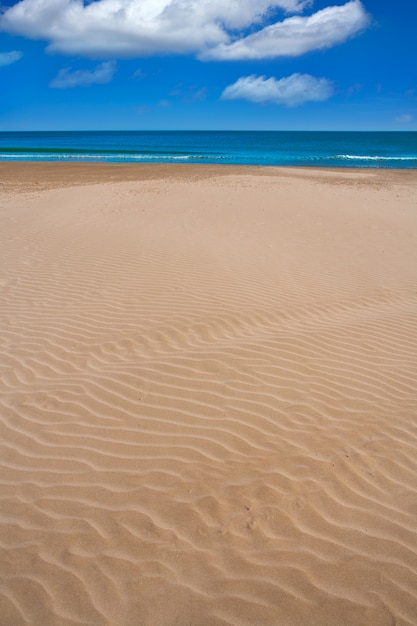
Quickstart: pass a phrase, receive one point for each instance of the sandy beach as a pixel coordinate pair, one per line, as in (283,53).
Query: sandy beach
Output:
(208,396)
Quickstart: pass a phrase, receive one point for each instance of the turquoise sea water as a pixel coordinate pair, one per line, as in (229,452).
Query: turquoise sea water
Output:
(311,148)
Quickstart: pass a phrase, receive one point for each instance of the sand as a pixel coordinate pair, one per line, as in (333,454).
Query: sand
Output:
(208,402)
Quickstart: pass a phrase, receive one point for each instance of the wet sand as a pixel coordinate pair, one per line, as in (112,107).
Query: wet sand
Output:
(208,396)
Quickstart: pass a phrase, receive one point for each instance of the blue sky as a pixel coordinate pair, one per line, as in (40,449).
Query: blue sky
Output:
(208,64)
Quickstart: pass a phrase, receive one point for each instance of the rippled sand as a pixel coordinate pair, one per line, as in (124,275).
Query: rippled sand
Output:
(208,402)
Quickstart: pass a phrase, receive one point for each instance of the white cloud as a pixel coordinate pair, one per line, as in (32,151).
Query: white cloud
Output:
(7,58)
(207,28)
(297,35)
(290,91)
(102,74)
(406,118)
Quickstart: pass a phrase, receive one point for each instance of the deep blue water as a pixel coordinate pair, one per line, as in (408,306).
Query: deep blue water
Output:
(302,148)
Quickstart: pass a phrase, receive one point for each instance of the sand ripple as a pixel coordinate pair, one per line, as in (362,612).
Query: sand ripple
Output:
(208,402)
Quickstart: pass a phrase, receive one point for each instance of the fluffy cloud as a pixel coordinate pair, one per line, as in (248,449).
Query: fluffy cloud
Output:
(7,58)
(207,28)
(290,91)
(297,35)
(102,74)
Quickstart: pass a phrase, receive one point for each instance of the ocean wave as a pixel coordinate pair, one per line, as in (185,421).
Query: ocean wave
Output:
(356,157)
(71,156)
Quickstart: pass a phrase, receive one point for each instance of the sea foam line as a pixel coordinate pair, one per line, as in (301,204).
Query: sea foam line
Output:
(101,157)
(375,158)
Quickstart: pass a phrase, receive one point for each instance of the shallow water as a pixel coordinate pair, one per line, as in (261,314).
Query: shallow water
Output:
(318,149)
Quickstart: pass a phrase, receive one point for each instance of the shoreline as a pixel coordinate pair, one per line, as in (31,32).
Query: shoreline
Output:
(22,176)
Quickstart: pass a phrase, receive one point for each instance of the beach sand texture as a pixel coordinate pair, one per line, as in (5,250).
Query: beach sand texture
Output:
(208,402)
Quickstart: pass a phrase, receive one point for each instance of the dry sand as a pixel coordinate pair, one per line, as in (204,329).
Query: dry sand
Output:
(208,396)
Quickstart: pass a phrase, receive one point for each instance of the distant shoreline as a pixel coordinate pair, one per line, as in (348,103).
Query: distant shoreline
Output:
(30,175)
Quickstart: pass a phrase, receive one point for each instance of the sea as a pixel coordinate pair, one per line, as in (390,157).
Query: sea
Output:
(265,148)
